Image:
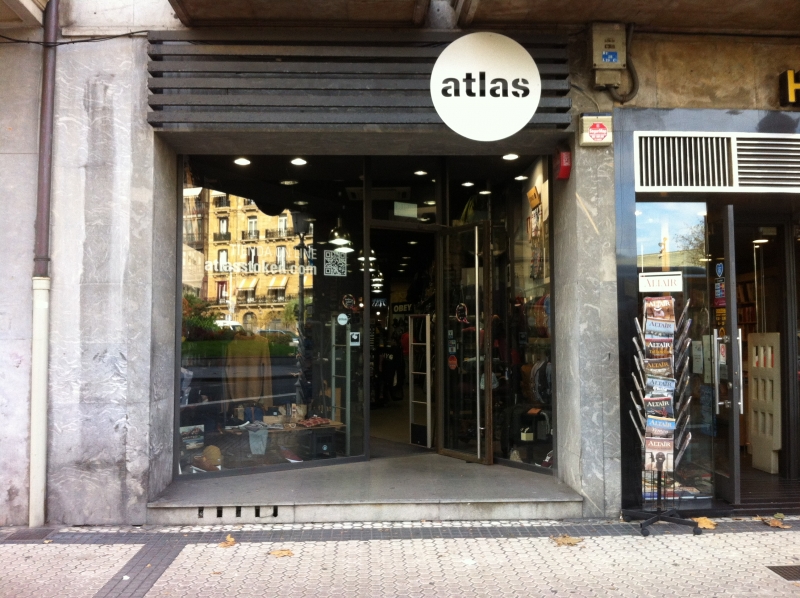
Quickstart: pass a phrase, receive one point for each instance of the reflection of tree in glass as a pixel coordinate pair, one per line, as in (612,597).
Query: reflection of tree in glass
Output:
(198,320)
(693,243)
(289,315)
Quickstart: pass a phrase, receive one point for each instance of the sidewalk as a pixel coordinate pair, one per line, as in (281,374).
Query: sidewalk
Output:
(415,559)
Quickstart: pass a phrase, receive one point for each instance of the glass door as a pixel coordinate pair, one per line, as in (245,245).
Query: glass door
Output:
(465,410)
(726,353)
(685,260)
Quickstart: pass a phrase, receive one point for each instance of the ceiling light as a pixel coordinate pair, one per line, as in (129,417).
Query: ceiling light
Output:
(467,184)
(423,219)
(372,257)
(760,241)
(344,249)
(301,202)
(339,235)
(413,242)
(705,259)
(299,162)
(406,257)
(420,173)
(521,177)
(401,270)
(430,202)
(510,157)
(403,265)
(242,161)
(484,192)
(288,182)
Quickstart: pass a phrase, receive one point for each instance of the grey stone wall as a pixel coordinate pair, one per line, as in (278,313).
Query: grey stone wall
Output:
(20,73)
(585,310)
(113,239)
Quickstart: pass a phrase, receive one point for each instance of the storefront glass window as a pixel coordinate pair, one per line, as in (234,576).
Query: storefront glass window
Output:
(526,329)
(675,239)
(271,359)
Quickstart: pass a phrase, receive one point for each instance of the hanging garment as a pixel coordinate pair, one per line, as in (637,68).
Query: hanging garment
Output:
(248,372)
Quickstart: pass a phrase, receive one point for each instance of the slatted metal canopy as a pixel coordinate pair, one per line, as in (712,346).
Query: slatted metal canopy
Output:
(248,80)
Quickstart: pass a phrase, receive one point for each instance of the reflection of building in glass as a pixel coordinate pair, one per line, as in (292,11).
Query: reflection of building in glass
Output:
(241,260)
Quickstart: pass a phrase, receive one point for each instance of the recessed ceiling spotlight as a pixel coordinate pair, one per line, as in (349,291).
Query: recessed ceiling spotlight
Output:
(288,182)
(521,177)
(484,192)
(760,241)
(510,157)
(406,257)
(401,270)
(412,242)
(241,161)
(467,184)
(301,202)
(430,202)
(299,162)
(420,173)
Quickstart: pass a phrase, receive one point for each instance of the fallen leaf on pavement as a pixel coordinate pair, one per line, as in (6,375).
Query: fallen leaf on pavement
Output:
(779,516)
(704,523)
(775,523)
(229,541)
(281,553)
(566,540)
(48,541)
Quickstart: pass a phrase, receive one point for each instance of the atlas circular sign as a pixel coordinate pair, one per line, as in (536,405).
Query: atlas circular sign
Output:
(485,86)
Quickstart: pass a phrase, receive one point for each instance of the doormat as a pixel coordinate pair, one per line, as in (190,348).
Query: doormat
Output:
(36,533)
(788,572)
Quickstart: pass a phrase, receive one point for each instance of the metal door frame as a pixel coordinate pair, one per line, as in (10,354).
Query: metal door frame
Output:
(729,487)
(482,232)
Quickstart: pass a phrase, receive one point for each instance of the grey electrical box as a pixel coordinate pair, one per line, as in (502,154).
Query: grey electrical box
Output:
(609,54)
(608,46)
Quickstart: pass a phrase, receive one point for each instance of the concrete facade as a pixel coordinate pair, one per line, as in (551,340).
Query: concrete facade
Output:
(20,71)
(114,227)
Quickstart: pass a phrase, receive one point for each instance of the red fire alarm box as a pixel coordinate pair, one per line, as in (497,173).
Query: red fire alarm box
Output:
(563,164)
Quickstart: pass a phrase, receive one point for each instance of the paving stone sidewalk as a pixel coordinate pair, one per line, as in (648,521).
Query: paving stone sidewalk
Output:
(409,559)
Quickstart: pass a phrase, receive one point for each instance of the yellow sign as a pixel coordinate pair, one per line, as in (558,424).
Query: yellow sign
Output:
(790,89)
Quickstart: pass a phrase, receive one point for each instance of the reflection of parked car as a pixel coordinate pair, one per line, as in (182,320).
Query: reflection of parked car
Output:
(229,325)
(281,337)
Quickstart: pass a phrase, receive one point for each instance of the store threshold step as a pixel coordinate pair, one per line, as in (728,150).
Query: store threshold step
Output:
(341,512)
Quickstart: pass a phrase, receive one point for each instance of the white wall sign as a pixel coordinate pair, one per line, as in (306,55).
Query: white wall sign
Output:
(660,282)
(485,86)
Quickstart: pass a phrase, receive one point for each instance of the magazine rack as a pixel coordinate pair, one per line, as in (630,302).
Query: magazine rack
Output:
(661,418)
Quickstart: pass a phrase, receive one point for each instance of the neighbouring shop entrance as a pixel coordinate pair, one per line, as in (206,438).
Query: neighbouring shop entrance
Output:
(730,265)
(337,308)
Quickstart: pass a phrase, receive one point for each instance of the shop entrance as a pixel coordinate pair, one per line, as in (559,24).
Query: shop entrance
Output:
(343,308)
(737,285)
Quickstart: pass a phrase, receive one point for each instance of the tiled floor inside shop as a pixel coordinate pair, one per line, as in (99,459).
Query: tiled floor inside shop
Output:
(409,482)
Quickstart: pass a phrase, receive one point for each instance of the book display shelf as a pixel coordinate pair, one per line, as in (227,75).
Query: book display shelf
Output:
(661,418)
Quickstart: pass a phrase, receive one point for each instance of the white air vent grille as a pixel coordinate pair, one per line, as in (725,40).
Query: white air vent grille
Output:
(773,161)
(717,162)
(685,162)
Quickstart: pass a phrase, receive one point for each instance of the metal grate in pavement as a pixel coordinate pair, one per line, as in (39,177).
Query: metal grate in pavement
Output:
(788,572)
(34,533)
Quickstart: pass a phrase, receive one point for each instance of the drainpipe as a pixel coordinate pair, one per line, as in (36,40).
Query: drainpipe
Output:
(41,277)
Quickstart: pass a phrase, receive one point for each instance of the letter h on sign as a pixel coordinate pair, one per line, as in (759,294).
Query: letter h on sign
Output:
(790,87)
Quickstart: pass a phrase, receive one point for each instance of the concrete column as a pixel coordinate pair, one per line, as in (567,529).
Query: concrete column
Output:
(585,307)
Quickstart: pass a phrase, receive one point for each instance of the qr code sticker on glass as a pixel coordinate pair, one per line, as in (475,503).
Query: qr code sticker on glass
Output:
(335,263)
